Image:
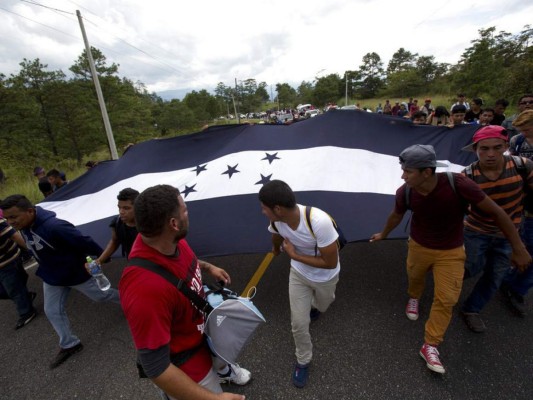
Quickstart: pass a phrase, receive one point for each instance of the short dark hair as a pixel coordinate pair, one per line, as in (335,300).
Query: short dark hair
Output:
(433,169)
(418,114)
(489,109)
(54,172)
(277,193)
(501,102)
(458,109)
(440,111)
(154,207)
(127,194)
(16,200)
(524,96)
(478,101)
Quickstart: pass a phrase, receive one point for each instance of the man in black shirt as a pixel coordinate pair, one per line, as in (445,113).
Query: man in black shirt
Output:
(123,230)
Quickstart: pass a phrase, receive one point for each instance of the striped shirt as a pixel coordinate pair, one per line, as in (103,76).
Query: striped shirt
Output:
(9,250)
(507,191)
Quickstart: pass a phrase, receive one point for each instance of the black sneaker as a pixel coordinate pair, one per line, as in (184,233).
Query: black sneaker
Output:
(25,320)
(64,355)
(514,301)
(518,304)
(474,322)
(300,376)
(314,314)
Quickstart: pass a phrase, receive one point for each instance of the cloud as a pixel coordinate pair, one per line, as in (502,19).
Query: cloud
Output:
(175,45)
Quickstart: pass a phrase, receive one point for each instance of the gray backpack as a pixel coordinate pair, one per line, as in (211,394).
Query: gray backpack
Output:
(230,320)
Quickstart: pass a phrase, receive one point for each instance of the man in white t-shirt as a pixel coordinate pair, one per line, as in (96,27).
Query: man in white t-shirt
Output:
(315,264)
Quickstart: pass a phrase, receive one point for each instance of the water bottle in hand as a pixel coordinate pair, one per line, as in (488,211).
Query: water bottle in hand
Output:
(96,271)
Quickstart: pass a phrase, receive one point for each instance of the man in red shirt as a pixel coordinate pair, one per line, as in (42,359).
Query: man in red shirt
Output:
(436,238)
(167,329)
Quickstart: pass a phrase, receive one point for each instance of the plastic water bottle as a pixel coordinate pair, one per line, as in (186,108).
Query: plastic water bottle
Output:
(96,271)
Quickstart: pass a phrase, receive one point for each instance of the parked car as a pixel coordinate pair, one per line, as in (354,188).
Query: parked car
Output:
(311,113)
(285,118)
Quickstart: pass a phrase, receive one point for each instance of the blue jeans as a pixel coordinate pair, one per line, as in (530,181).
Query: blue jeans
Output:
(490,255)
(516,281)
(13,279)
(55,298)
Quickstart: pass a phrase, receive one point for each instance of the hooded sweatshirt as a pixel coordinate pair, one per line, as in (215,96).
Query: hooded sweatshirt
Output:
(59,248)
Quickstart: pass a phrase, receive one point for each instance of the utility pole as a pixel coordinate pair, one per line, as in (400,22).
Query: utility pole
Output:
(237,110)
(346,99)
(103,110)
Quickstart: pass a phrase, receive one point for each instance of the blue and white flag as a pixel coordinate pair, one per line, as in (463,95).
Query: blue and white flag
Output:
(344,162)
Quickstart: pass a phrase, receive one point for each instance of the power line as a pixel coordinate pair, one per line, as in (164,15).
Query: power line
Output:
(129,44)
(63,12)
(37,22)
(42,5)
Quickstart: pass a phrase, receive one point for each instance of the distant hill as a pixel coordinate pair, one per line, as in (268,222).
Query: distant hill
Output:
(173,94)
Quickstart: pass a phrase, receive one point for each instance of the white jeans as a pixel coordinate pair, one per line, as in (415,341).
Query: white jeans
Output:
(304,294)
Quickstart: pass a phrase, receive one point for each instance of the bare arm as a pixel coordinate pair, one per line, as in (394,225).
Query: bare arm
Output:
(111,247)
(19,240)
(520,257)
(174,382)
(218,273)
(277,241)
(393,221)
(327,259)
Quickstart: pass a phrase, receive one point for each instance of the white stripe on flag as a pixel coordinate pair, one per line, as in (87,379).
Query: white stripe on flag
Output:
(321,168)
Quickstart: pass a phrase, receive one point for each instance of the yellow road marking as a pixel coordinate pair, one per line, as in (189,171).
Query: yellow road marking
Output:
(258,274)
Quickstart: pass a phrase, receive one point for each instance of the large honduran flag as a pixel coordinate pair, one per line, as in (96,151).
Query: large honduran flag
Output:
(344,162)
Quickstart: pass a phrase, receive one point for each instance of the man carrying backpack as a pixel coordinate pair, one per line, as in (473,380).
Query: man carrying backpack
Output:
(311,243)
(167,328)
(517,284)
(436,238)
(502,178)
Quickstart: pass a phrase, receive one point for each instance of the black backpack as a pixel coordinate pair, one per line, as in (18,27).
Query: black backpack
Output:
(341,240)
(520,167)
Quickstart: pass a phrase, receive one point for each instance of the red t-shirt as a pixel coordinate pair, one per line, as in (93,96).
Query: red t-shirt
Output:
(158,313)
(437,220)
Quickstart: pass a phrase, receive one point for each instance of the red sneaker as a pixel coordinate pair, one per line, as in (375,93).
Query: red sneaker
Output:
(431,355)
(412,309)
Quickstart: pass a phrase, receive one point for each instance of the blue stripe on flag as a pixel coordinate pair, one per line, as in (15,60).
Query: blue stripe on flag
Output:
(345,162)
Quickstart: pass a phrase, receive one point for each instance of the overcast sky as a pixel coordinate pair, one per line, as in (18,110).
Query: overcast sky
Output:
(194,44)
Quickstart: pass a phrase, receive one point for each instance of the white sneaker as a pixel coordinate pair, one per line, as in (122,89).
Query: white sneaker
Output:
(236,375)
(412,309)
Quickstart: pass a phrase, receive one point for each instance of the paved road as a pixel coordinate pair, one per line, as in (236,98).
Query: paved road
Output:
(364,346)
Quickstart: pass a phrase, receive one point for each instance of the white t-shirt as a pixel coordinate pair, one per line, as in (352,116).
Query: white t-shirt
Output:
(304,242)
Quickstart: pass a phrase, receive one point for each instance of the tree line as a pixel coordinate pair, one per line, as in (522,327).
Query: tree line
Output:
(46,116)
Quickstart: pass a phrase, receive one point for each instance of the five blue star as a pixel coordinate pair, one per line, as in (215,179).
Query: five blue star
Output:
(271,157)
(264,179)
(188,190)
(231,170)
(199,168)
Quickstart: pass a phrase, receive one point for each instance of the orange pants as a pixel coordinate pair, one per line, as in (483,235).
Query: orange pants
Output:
(448,271)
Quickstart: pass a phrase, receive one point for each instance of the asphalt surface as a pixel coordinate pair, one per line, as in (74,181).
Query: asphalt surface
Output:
(364,346)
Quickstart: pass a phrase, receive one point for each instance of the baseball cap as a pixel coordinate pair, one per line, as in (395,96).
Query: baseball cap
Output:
(38,170)
(420,156)
(487,132)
